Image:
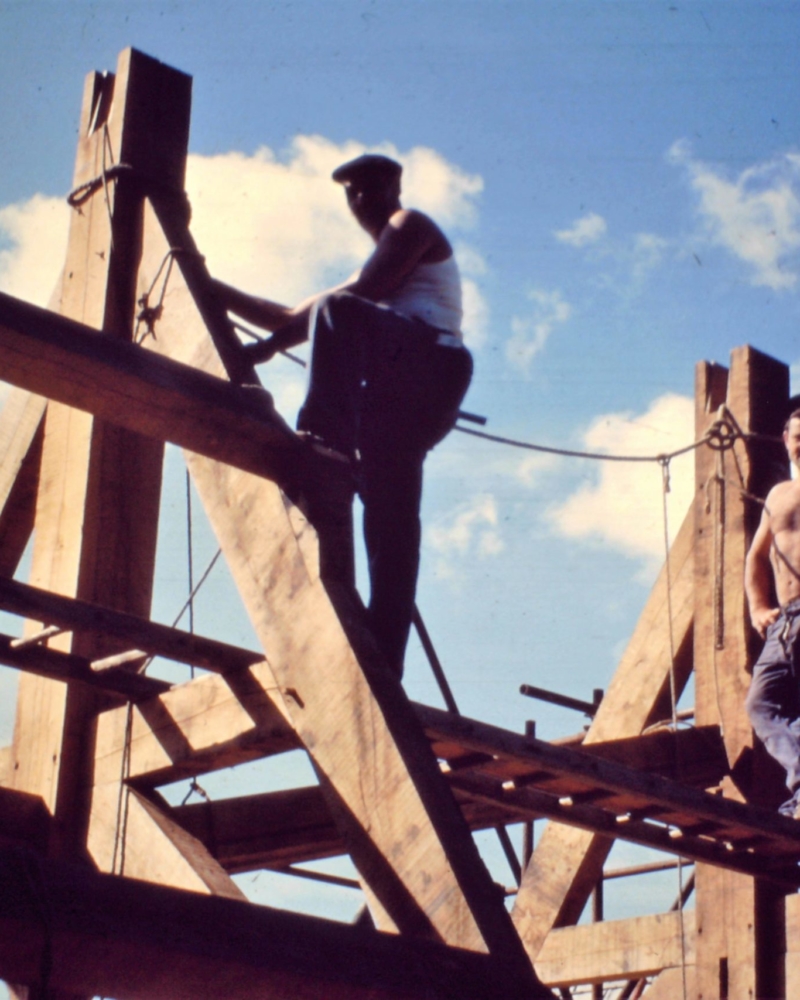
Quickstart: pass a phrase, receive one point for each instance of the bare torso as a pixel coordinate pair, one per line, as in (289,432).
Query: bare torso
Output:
(783,506)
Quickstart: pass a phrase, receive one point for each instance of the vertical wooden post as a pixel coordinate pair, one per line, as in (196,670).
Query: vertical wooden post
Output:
(99,492)
(736,958)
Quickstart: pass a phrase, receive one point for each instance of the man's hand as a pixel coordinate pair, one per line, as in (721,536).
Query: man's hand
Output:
(260,351)
(762,618)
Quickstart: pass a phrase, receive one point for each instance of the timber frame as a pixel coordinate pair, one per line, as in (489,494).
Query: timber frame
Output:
(106,889)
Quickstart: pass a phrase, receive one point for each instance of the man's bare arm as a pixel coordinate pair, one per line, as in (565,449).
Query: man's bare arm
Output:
(289,326)
(758,576)
(405,240)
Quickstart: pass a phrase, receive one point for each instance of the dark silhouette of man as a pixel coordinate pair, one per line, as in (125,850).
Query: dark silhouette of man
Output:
(388,373)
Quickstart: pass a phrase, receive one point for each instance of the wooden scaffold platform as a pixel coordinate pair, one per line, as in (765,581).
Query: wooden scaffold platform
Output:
(105,889)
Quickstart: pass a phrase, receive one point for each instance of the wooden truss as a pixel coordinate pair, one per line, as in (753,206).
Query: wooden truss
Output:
(105,889)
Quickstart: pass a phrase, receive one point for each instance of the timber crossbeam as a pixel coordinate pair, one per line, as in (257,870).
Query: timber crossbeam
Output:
(131,631)
(67,928)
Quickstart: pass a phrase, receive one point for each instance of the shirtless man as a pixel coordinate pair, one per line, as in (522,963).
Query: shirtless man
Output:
(773,701)
(388,372)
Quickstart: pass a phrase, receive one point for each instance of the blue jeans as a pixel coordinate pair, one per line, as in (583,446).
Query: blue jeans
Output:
(386,389)
(773,701)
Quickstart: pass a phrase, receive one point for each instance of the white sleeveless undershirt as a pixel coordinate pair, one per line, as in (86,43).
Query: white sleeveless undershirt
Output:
(432,293)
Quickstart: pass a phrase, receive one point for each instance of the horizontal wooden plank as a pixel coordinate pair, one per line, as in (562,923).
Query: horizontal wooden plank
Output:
(203,725)
(132,631)
(754,858)
(110,936)
(275,829)
(153,395)
(616,949)
(670,800)
(67,667)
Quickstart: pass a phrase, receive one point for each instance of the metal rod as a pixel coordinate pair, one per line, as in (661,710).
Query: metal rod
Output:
(347,883)
(587,707)
(433,659)
(472,417)
(655,866)
(527,828)
(510,853)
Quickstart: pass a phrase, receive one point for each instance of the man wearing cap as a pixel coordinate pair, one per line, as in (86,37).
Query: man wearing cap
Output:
(388,372)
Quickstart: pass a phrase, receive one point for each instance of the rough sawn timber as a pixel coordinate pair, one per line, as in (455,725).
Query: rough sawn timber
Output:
(568,861)
(418,863)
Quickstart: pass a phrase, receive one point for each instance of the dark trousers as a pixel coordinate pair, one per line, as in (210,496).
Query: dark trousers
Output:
(384,390)
(773,701)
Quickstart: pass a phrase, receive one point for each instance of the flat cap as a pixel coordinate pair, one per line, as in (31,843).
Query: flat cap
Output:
(367,165)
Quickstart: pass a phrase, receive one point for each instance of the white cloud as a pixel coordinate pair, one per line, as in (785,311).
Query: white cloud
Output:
(529,469)
(755,216)
(278,225)
(35,237)
(622,506)
(588,229)
(468,531)
(646,254)
(275,225)
(530,333)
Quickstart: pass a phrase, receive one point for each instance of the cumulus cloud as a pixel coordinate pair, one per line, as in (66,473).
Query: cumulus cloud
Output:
(33,243)
(532,467)
(530,333)
(468,531)
(277,225)
(622,505)
(754,216)
(588,229)
(273,224)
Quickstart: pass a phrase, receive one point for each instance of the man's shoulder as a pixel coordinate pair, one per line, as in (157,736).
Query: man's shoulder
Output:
(784,488)
(782,499)
(412,218)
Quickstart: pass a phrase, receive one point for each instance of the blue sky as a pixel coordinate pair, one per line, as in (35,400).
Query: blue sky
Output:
(622,183)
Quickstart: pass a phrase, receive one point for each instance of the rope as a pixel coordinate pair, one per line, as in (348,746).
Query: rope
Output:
(83,192)
(121,824)
(149,315)
(721,436)
(190,566)
(255,336)
(673,696)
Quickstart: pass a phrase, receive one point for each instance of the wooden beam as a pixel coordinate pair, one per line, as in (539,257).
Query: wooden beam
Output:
(113,936)
(126,631)
(100,485)
(75,364)
(275,829)
(567,862)
(133,836)
(67,667)
(205,724)
(690,756)
(6,766)
(21,435)
(404,832)
(739,943)
(279,828)
(792,970)
(672,983)
(617,949)
(21,439)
